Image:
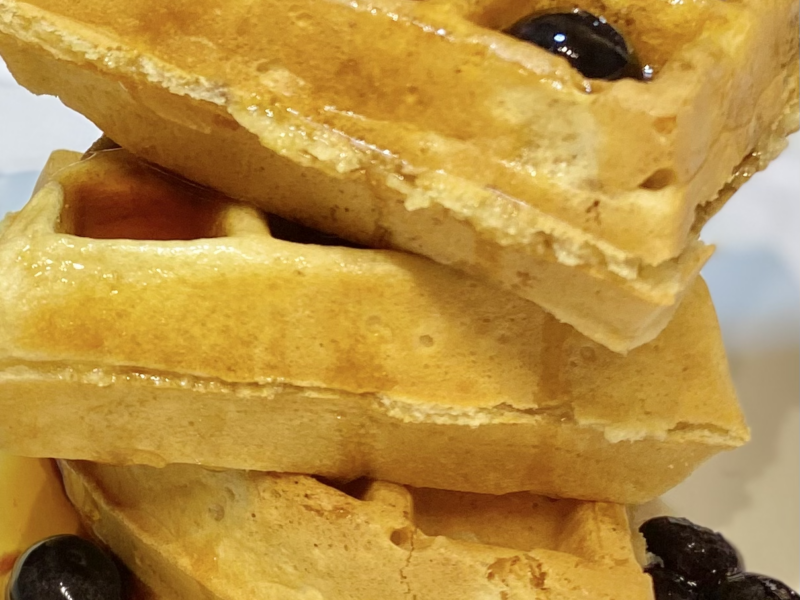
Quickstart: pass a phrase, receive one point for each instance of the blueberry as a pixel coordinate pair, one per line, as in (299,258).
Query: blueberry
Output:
(697,554)
(670,586)
(749,586)
(588,42)
(64,567)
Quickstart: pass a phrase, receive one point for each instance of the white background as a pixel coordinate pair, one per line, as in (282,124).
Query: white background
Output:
(752,495)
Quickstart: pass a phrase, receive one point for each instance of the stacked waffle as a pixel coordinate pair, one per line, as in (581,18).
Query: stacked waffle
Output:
(273,412)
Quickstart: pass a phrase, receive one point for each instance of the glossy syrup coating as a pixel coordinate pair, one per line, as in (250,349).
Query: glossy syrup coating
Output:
(65,566)
(427,129)
(391,337)
(588,42)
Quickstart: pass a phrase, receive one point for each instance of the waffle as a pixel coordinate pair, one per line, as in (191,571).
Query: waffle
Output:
(146,320)
(190,533)
(419,126)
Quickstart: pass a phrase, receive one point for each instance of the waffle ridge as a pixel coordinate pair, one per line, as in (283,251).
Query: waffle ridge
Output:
(447,160)
(397,358)
(188,533)
(148,321)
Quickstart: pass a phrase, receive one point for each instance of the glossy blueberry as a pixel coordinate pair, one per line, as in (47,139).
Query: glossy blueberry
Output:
(588,42)
(749,586)
(696,553)
(64,567)
(670,586)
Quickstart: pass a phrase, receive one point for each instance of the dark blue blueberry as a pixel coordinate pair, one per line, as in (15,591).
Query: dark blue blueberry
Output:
(588,42)
(64,567)
(697,554)
(670,586)
(749,586)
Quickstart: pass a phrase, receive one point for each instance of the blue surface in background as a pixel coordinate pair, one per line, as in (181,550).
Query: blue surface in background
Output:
(15,190)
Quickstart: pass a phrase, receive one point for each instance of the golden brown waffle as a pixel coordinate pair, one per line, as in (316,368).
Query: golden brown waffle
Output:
(146,320)
(418,125)
(192,533)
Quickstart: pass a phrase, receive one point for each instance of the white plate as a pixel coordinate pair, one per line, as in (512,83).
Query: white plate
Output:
(752,495)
